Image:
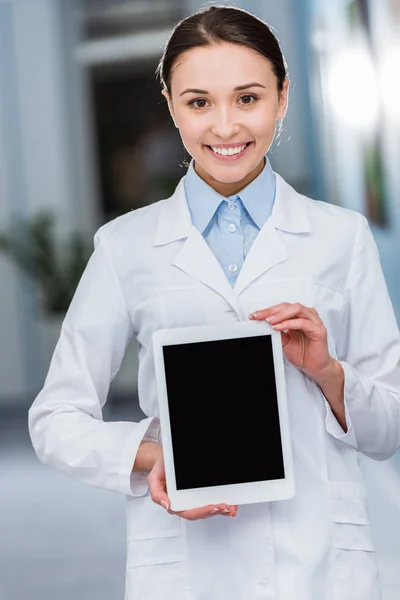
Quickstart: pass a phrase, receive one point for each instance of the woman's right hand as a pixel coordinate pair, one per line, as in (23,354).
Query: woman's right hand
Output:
(158,492)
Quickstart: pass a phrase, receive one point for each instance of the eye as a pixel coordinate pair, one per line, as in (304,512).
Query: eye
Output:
(247,96)
(192,103)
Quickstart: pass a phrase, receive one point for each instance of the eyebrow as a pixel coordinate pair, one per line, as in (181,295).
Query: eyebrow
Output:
(238,88)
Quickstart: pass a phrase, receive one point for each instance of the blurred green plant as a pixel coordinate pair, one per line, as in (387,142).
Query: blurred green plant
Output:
(56,267)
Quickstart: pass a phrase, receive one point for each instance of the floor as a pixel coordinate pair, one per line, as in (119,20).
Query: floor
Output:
(62,539)
(59,538)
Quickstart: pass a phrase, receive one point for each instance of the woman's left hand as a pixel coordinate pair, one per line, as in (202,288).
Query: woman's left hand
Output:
(304,337)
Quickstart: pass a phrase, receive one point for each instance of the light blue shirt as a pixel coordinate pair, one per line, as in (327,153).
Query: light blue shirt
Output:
(230,225)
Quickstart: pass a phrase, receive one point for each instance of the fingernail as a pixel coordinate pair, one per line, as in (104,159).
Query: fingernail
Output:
(253,315)
(165,504)
(214,511)
(271,319)
(225,511)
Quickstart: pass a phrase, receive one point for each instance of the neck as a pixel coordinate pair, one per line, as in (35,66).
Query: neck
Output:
(232,188)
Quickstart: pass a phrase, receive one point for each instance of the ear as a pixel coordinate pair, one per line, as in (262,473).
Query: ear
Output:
(170,107)
(283,100)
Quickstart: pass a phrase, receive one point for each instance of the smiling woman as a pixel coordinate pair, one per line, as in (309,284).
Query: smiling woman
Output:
(233,242)
(236,115)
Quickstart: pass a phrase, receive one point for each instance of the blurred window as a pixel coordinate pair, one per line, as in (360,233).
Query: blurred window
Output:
(139,151)
(108,18)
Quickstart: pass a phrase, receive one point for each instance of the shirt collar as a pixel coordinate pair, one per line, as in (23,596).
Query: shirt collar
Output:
(203,201)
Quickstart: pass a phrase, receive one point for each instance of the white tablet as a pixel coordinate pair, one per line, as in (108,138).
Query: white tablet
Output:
(223,414)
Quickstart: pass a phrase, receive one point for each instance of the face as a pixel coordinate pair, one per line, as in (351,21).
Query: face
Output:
(213,114)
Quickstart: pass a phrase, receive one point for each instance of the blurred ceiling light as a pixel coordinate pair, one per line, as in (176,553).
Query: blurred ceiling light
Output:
(322,40)
(390,82)
(352,87)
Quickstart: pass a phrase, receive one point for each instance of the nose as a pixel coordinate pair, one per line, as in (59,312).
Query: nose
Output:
(224,124)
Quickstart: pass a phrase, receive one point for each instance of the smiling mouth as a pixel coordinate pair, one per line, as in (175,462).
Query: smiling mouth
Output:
(229,151)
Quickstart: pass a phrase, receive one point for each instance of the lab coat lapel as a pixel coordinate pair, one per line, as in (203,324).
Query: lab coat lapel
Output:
(195,257)
(268,250)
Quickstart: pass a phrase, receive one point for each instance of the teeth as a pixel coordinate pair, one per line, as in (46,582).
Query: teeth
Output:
(228,151)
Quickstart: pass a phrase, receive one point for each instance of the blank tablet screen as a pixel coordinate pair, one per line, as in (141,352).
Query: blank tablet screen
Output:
(223,412)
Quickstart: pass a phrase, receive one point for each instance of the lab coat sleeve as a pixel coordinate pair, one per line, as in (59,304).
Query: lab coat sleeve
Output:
(369,352)
(65,420)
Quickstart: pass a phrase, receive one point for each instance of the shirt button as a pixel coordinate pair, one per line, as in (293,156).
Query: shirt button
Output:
(231,206)
(233,268)
(232,228)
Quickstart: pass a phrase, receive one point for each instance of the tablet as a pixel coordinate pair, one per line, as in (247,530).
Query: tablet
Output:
(223,414)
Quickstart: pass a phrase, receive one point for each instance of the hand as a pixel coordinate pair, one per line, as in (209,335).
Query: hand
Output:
(158,492)
(304,337)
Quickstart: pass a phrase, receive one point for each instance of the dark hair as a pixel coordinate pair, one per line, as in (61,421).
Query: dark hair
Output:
(216,24)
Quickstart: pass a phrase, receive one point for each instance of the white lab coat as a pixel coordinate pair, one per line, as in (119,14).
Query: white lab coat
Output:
(152,269)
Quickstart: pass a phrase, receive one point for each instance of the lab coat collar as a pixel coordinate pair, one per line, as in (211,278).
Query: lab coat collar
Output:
(290,211)
(288,214)
(174,221)
(268,250)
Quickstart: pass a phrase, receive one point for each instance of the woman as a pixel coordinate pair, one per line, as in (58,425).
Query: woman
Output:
(234,241)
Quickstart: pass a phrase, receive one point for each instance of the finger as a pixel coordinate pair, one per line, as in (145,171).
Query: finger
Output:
(305,325)
(208,511)
(262,314)
(163,500)
(158,491)
(287,310)
(226,510)
(203,512)
(285,338)
(292,311)
(232,513)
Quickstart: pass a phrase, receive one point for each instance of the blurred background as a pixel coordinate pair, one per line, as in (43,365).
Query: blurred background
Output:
(85,136)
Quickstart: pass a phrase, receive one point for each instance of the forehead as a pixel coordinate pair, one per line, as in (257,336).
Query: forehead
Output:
(227,64)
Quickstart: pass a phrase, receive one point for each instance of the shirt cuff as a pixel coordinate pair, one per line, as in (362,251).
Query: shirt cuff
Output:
(135,483)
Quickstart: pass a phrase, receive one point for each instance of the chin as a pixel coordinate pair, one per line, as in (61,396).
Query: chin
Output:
(230,175)
(231,179)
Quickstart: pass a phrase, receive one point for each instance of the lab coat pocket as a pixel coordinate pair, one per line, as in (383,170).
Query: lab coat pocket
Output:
(354,563)
(155,553)
(154,536)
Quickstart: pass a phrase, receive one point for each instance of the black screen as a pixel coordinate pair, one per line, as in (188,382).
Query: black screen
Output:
(223,412)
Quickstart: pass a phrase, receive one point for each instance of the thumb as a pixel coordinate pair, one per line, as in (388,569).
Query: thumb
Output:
(285,337)
(157,487)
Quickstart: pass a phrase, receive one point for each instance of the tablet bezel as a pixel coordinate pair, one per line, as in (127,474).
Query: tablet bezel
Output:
(238,493)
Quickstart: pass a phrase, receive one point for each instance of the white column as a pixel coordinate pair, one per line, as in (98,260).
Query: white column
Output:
(17,331)
(45,148)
